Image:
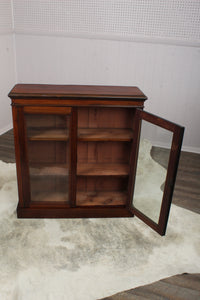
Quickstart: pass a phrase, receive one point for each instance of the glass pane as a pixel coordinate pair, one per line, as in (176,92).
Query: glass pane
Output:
(48,155)
(153,157)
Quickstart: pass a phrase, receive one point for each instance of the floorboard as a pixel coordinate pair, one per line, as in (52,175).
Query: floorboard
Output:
(187,187)
(7,150)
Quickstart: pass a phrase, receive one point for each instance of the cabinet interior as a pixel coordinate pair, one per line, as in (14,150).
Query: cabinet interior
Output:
(104,138)
(103,154)
(48,156)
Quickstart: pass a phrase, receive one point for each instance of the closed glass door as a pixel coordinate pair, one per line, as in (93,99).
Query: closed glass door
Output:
(48,154)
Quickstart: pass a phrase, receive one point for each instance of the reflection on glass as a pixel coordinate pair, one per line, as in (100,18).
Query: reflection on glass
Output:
(48,155)
(153,156)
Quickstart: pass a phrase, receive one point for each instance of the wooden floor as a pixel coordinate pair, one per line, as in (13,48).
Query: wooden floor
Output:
(186,195)
(7,151)
(187,188)
(179,287)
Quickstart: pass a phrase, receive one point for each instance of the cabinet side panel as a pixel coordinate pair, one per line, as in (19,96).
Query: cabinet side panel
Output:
(17,155)
(21,157)
(73,157)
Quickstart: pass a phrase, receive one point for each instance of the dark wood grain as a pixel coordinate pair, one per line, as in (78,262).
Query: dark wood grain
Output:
(105,134)
(48,134)
(73,157)
(49,170)
(50,197)
(99,169)
(99,184)
(82,91)
(84,134)
(103,152)
(101,198)
(47,110)
(72,212)
(21,154)
(97,102)
(105,117)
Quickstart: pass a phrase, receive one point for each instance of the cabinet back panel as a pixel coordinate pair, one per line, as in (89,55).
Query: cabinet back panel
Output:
(99,183)
(38,120)
(49,183)
(103,152)
(49,189)
(47,152)
(107,117)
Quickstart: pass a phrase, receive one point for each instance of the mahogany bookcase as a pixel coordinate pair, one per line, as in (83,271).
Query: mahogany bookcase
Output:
(77,149)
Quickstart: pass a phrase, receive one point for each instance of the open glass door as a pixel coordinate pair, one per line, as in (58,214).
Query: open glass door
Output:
(154,163)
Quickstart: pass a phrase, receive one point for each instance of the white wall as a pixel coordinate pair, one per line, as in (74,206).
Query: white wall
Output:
(168,74)
(150,44)
(7,64)
(7,80)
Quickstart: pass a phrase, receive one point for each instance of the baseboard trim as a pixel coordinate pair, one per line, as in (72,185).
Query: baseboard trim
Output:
(6,128)
(191,149)
(183,148)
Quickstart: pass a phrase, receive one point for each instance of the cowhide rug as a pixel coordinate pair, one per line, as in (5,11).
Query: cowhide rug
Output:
(88,258)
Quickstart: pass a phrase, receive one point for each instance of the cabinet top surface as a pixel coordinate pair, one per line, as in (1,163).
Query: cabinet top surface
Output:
(44,91)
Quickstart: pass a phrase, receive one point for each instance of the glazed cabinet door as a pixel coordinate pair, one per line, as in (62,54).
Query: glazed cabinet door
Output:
(154,163)
(46,140)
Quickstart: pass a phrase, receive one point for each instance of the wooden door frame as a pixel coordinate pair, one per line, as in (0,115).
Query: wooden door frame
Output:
(22,161)
(178,132)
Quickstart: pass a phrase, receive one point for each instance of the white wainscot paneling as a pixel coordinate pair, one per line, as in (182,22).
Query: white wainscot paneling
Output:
(168,75)
(6,21)
(174,21)
(7,80)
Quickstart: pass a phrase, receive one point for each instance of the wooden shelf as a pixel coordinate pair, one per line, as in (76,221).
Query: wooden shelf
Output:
(48,134)
(92,198)
(49,170)
(84,134)
(105,134)
(82,170)
(102,169)
(101,198)
(50,197)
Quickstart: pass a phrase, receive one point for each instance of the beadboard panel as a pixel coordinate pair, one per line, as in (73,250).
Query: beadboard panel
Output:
(110,45)
(166,21)
(6,21)
(168,75)
(7,63)
(7,79)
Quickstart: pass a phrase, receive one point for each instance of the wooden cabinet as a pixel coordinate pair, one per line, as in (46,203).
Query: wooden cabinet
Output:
(77,149)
